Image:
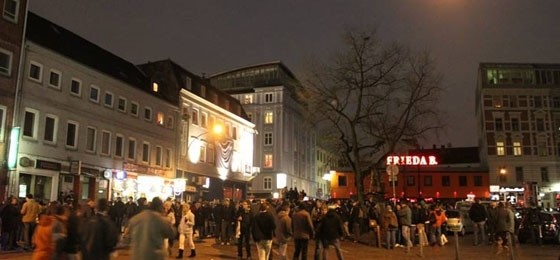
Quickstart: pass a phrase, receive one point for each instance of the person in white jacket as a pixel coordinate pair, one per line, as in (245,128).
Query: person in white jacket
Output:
(186,231)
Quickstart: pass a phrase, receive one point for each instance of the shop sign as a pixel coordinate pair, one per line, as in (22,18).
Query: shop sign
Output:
(47,165)
(75,167)
(506,189)
(190,188)
(421,160)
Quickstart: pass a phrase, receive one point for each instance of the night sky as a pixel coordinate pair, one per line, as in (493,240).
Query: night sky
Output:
(207,37)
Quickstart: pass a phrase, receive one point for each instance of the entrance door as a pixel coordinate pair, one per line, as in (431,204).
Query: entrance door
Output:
(39,186)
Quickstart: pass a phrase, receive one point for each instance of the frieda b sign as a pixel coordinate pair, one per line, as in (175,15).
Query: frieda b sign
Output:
(412,160)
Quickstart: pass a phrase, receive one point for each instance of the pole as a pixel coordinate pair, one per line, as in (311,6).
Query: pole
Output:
(393,176)
(456,245)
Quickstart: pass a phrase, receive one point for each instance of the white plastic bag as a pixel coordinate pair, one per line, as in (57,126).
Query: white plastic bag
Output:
(443,239)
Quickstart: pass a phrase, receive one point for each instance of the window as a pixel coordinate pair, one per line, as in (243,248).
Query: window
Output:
(541,148)
(160,118)
(36,71)
(121,104)
(500,150)
(248,99)
(147,114)
(155,87)
(72,134)
(268,98)
(3,112)
(445,181)
(119,146)
(188,83)
(211,154)
(342,181)
(267,161)
(146,152)
(478,181)
(167,158)
(11,8)
(410,180)
(519,174)
(30,123)
(131,148)
(54,79)
(94,94)
(91,139)
(5,62)
(499,124)
(169,122)
(462,181)
(134,108)
(203,153)
(515,124)
(268,117)
(556,102)
(105,142)
(267,181)
(76,87)
(203,120)
(159,155)
(268,138)
(517,148)
(544,174)
(51,123)
(194,116)
(428,181)
(108,100)
(538,101)
(540,124)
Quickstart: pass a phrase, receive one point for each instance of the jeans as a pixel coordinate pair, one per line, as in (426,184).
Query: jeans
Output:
(435,235)
(226,231)
(318,249)
(244,237)
(301,248)
(28,230)
(406,236)
(391,237)
(479,228)
(263,249)
(336,244)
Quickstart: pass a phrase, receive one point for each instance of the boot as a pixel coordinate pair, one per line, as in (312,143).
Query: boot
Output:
(193,253)
(180,256)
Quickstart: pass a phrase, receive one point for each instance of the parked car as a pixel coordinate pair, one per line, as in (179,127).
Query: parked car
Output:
(549,227)
(463,216)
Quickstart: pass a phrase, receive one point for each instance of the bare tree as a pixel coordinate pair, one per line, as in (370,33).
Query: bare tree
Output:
(370,99)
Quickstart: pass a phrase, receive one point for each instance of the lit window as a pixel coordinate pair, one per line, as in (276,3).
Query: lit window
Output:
(268,117)
(54,79)
(500,149)
(267,161)
(160,118)
(517,148)
(267,181)
(5,62)
(248,99)
(155,87)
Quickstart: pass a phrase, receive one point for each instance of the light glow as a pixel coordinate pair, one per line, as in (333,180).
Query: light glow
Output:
(281,180)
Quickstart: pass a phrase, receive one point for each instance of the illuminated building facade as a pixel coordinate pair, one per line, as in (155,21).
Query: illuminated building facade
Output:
(518,117)
(285,145)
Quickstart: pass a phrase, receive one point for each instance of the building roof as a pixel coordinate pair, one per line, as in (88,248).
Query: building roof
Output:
(459,155)
(266,64)
(68,44)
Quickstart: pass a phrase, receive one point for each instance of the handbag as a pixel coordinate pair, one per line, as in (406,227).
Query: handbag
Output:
(443,239)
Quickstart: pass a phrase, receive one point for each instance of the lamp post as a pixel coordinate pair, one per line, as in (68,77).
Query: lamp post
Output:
(392,171)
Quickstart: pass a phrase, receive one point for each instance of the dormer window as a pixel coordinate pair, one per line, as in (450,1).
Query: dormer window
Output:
(155,87)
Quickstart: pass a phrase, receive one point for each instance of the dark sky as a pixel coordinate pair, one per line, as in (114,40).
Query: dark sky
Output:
(211,36)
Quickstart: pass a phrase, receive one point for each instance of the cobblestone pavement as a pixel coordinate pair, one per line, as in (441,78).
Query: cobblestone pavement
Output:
(209,250)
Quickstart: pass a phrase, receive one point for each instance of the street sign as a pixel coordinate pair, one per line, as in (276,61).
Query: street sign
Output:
(392,169)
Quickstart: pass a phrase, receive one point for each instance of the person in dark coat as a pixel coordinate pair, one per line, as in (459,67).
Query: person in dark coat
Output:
(199,220)
(228,221)
(329,232)
(10,218)
(302,227)
(244,219)
(477,213)
(118,212)
(99,234)
(262,227)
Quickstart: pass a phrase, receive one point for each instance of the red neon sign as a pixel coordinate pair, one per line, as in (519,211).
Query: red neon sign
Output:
(412,160)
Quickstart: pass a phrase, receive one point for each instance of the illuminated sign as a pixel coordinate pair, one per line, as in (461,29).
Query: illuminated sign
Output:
(411,160)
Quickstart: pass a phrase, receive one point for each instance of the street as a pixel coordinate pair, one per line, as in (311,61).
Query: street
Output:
(209,250)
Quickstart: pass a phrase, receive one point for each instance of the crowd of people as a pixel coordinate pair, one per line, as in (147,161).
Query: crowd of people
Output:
(68,230)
